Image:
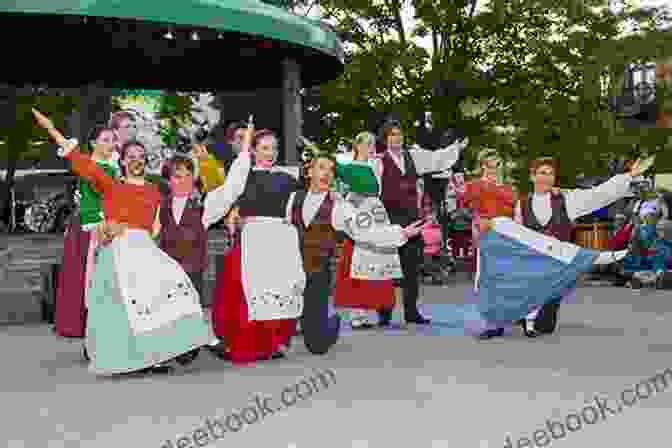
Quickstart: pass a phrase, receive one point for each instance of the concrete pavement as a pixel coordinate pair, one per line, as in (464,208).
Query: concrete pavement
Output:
(398,388)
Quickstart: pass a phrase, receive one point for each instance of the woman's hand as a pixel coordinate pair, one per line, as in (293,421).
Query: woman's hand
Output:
(414,229)
(109,230)
(47,124)
(641,166)
(485,225)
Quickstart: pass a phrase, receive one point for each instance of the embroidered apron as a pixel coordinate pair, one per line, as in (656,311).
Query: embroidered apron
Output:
(272,269)
(370,262)
(154,287)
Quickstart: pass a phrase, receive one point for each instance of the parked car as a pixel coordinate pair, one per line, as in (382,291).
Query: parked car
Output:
(35,192)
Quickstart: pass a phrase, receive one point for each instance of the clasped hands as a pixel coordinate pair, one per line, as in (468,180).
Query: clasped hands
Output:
(414,229)
(109,230)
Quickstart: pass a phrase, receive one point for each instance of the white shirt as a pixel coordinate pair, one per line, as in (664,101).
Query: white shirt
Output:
(178,208)
(580,202)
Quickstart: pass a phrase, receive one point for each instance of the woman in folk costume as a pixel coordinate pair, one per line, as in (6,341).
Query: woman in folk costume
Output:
(364,274)
(487,199)
(81,241)
(546,217)
(318,215)
(259,292)
(134,324)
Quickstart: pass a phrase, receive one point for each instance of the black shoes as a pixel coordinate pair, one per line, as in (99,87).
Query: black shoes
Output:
(529,328)
(418,319)
(415,318)
(85,354)
(219,351)
(489,334)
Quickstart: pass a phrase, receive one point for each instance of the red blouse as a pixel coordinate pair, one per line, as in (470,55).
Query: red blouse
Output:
(133,205)
(488,199)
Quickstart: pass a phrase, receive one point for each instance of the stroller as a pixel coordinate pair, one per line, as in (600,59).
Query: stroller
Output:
(648,238)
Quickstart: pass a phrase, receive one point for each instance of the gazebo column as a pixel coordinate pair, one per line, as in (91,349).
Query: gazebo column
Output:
(292,122)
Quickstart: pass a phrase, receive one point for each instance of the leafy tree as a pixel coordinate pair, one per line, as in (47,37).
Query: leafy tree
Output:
(18,131)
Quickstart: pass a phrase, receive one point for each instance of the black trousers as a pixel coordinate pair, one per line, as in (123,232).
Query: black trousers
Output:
(411,257)
(320,332)
(547,319)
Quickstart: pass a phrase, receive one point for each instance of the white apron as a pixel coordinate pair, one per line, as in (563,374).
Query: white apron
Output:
(154,287)
(272,269)
(370,262)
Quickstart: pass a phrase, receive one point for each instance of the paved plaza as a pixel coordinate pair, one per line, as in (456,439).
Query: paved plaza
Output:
(394,388)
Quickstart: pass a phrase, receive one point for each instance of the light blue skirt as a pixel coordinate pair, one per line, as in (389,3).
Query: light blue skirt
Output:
(110,341)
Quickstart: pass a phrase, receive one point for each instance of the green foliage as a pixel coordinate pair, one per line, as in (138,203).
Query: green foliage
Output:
(21,131)
(553,65)
(174,113)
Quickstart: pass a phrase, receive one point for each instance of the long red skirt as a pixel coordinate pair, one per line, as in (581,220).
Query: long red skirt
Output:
(248,341)
(360,294)
(70,313)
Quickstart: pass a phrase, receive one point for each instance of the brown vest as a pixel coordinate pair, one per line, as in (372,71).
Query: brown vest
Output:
(559,226)
(400,191)
(318,240)
(186,242)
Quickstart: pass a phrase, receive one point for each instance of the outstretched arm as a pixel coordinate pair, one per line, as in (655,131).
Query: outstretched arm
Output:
(82,165)
(218,202)
(585,202)
(443,159)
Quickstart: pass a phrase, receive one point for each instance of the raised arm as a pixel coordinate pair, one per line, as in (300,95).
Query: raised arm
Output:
(440,160)
(82,165)
(218,202)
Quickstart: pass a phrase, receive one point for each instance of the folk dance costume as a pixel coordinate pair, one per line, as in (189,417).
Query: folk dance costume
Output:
(134,323)
(79,248)
(521,270)
(554,215)
(365,272)
(259,291)
(399,194)
(486,199)
(183,235)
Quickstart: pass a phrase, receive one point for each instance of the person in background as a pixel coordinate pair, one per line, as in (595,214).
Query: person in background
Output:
(82,239)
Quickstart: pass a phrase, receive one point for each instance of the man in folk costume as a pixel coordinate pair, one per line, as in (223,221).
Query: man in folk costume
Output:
(183,235)
(82,239)
(400,170)
(319,214)
(553,214)
(134,324)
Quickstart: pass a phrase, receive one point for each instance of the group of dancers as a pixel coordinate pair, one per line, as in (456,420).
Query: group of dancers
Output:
(136,253)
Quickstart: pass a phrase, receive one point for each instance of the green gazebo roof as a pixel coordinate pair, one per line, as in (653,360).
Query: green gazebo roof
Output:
(251,18)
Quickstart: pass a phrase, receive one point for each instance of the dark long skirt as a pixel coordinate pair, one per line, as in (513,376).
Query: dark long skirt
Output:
(70,314)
